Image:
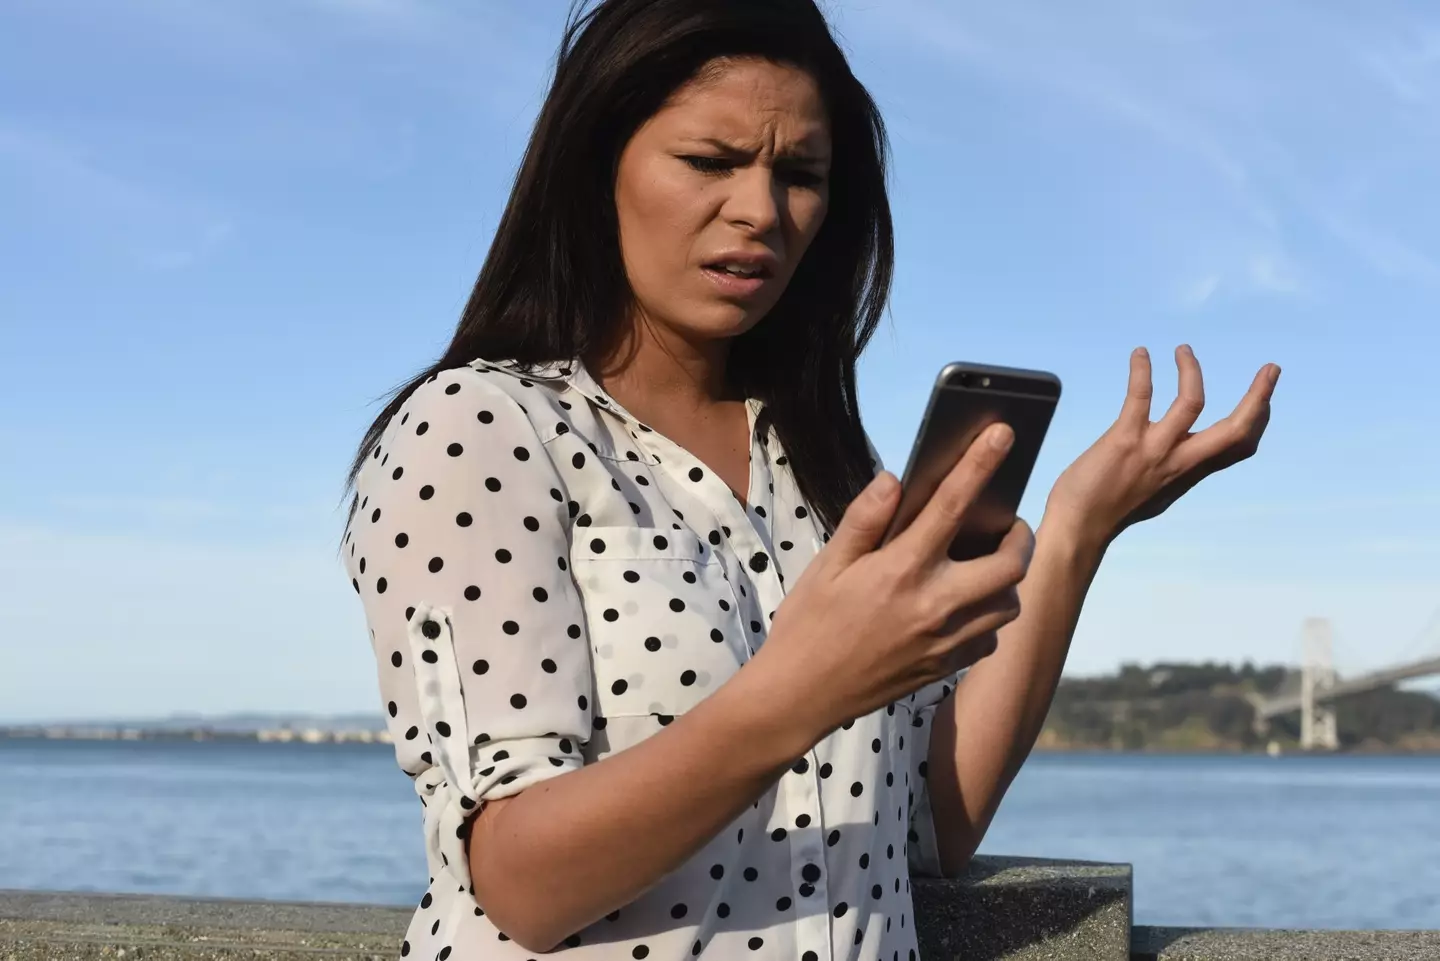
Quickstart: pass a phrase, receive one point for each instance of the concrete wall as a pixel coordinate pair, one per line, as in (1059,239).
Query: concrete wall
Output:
(1016,909)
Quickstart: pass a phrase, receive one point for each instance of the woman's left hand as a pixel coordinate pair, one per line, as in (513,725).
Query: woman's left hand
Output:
(1138,468)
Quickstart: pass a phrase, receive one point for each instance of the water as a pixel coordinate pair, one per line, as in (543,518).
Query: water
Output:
(1340,842)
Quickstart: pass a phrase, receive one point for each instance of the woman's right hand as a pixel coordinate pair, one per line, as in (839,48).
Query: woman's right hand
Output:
(864,627)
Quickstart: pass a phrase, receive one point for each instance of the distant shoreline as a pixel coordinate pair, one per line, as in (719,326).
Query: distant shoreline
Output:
(364,736)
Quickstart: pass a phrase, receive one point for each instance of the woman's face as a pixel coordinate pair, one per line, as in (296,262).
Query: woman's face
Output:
(719,194)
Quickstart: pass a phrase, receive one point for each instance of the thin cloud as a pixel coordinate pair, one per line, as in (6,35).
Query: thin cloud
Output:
(66,186)
(1251,122)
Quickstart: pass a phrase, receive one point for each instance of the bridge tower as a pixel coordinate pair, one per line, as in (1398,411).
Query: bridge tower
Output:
(1317,674)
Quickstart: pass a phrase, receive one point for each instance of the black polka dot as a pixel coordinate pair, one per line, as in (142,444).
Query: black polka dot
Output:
(810,872)
(464,519)
(619,686)
(480,666)
(472,593)
(435,564)
(687,678)
(485,417)
(548,666)
(652,643)
(503,556)
(422,427)
(427,492)
(677,605)
(517,701)
(430,629)
(510,627)
(454,450)
(539,594)
(531,524)
(597,545)
(402,539)
(696,474)
(380,586)
(755,944)
(492,484)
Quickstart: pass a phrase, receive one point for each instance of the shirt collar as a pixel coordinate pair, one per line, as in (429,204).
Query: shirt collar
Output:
(577,376)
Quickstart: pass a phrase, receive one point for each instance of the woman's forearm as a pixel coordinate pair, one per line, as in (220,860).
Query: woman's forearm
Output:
(564,853)
(985,729)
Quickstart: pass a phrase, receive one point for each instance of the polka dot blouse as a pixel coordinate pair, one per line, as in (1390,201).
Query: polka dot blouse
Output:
(548,581)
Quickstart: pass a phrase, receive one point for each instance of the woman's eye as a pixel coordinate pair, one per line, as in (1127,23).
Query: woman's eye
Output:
(804,178)
(708,165)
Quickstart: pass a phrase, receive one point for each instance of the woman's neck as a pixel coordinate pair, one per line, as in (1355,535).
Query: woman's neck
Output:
(658,380)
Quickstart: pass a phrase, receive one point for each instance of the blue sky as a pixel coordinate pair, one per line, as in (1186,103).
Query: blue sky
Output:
(226,229)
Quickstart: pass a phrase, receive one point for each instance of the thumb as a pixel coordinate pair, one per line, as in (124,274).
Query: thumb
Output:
(865,520)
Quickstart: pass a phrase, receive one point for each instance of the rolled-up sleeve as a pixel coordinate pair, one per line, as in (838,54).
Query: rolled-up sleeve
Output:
(458,548)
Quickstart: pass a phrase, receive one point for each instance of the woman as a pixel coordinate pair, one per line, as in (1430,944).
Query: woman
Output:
(616,489)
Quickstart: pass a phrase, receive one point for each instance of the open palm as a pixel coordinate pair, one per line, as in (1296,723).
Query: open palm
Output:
(1138,468)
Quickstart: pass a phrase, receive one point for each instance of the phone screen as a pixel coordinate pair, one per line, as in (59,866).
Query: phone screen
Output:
(967,399)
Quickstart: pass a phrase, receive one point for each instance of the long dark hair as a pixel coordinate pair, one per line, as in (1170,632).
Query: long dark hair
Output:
(553,286)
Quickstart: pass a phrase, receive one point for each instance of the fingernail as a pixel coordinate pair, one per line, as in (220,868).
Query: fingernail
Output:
(1142,352)
(1274,373)
(880,486)
(1001,436)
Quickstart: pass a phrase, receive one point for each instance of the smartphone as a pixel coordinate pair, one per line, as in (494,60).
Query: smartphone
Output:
(966,399)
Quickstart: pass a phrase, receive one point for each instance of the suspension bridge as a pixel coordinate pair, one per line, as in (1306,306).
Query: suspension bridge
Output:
(1321,687)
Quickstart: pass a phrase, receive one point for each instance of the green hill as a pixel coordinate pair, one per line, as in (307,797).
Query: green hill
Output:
(1204,707)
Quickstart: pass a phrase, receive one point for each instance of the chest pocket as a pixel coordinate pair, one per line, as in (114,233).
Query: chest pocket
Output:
(665,631)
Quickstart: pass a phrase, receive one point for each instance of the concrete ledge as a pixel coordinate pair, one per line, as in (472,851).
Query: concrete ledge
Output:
(1258,944)
(118,927)
(1026,909)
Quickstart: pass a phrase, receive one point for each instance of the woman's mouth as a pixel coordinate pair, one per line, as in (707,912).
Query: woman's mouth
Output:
(738,279)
